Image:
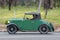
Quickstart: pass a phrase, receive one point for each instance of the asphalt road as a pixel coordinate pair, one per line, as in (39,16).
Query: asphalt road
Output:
(29,36)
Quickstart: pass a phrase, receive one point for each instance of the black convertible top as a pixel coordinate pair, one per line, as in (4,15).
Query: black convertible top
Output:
(36,15)
(32,13)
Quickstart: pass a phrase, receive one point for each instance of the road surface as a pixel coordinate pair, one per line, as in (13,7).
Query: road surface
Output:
(29,36)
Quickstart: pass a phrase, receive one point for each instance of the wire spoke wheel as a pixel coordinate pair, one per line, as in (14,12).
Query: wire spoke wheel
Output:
(43,29)
(11,29)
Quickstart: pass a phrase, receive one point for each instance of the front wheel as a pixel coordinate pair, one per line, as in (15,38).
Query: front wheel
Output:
(43,29)
(11,29)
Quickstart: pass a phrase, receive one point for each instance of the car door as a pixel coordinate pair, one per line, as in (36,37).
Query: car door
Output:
(27,25)
(36,24)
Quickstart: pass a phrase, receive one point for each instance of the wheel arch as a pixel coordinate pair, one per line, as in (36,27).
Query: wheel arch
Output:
(12,24)
(44,24)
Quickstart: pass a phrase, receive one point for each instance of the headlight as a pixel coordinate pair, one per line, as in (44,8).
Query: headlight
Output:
(8,21)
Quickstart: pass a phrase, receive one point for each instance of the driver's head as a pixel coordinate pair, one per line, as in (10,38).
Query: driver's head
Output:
(35,16)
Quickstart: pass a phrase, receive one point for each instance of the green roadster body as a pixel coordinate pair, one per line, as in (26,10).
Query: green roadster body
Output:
(26,24)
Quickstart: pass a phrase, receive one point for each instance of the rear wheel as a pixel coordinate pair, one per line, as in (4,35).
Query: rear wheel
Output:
(12,29)
(43,29)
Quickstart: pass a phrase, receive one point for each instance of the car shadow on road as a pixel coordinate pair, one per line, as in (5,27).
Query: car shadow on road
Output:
(32,34)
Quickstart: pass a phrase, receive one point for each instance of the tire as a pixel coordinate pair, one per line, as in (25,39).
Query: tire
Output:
(43,29)
(11,29)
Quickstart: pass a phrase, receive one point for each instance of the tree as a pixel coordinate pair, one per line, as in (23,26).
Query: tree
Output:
(39,4)
(48,4)
(2,3)
(10,4)
(15,3)
(56,3)
(51,4)
(27,2)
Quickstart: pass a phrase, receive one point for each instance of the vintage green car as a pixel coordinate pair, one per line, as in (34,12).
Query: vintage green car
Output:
(29,24)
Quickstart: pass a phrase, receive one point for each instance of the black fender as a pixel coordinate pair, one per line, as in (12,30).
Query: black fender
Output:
(52,27)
